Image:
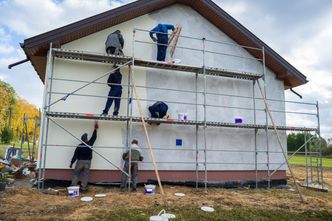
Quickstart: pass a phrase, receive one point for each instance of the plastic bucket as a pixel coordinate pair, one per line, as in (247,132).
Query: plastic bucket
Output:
(160,217)
(182,116)
(73,191)
(150,189)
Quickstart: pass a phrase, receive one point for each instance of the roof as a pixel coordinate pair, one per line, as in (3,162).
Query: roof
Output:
(36,47)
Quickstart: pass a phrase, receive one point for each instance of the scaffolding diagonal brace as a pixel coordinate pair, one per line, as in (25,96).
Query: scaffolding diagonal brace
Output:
(87,84)
(88,146)
(279,140)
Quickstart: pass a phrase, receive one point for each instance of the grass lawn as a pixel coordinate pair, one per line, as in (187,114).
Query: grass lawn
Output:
(194,214)
(301,161)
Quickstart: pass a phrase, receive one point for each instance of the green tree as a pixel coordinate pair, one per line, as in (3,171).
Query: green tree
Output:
(8,100)
(296,140)
(6,135)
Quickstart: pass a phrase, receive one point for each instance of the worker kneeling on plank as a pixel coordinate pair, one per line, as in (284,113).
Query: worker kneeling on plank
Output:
(83,155)
(158,110)
(114,81)
(135,157)
(114,43)
(161,31)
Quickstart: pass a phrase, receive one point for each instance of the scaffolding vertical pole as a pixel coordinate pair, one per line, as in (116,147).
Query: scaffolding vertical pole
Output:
(48,109)
(266,123)
(22,139)
(196,132)
(205,148)
(43,119)
(255,138)
(34,139)
(131,108)
(310,154)
(320,176)
(306,159)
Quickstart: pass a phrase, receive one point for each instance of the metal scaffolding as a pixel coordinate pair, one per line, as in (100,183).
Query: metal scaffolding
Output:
(315,157)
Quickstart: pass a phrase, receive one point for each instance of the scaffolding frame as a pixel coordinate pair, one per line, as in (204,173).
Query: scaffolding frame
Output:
(203,70)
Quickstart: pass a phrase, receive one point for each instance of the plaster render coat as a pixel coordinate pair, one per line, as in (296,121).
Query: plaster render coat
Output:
(237,143)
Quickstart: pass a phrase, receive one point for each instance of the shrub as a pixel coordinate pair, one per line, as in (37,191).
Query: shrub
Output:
(6,135)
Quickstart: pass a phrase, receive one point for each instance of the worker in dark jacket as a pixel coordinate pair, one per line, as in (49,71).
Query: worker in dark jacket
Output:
(161,31)
(158,109)
(83,155)
(136,156)
(114,81)
(114,43)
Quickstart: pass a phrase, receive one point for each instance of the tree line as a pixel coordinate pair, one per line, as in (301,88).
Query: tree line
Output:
(12,110)
(296,140)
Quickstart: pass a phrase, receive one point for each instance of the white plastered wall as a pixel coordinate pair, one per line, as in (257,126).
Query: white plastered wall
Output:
(113,134)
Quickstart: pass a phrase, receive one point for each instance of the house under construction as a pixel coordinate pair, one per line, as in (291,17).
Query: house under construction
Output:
(226,72)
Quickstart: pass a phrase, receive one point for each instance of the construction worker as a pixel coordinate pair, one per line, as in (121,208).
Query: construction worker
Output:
(114,43)
(136,156)
(158,110)
(114,81)
(161,31)
(83,155)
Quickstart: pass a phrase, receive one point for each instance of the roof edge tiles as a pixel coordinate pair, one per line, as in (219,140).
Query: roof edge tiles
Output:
(36,47)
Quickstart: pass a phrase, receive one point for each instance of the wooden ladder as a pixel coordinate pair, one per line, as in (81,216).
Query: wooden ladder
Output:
(173,39)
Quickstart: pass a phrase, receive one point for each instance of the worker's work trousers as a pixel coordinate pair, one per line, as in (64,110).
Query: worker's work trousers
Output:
(161,53)
(157,111)
(113,50)
(116,96)
(124,177)
(82,167)
(162,47)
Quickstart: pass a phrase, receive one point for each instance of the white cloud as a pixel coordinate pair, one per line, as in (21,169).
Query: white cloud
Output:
(4,36)
(6,49)
(29,18)
(3,77)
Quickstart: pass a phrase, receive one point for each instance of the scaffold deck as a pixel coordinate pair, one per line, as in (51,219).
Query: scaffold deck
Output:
(172,121)
(104,58)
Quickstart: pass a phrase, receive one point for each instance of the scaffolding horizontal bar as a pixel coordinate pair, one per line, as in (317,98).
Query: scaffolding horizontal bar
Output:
(104,58)
(171,121)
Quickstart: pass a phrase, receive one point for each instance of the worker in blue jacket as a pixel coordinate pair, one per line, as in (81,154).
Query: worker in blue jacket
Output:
(114,81)
(161,31)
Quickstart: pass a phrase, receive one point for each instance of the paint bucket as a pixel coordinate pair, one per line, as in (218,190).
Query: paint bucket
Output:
(182,116)
(150,189)
(160,217)
(73,191)
(238,120)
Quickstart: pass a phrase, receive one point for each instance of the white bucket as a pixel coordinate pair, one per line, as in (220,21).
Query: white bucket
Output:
(182,116)
(73,191)
(150,189)
(160,217)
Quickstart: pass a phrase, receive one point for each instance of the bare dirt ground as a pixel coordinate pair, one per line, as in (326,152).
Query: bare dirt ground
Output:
(23,203)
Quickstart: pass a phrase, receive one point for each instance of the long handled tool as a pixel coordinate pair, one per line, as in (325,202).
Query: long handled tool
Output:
(149,143)
(279,141)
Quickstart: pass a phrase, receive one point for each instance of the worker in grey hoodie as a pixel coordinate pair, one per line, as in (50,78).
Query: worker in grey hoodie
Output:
(114,43)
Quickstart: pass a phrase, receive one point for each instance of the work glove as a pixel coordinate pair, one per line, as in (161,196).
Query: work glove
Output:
(96,125)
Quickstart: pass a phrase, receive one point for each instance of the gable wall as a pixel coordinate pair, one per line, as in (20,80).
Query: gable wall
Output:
(164,136)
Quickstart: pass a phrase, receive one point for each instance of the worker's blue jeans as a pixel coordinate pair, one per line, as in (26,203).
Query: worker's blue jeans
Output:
(82,166)
(116,96)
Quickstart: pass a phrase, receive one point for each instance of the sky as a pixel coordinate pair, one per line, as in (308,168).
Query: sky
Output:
(299,30)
